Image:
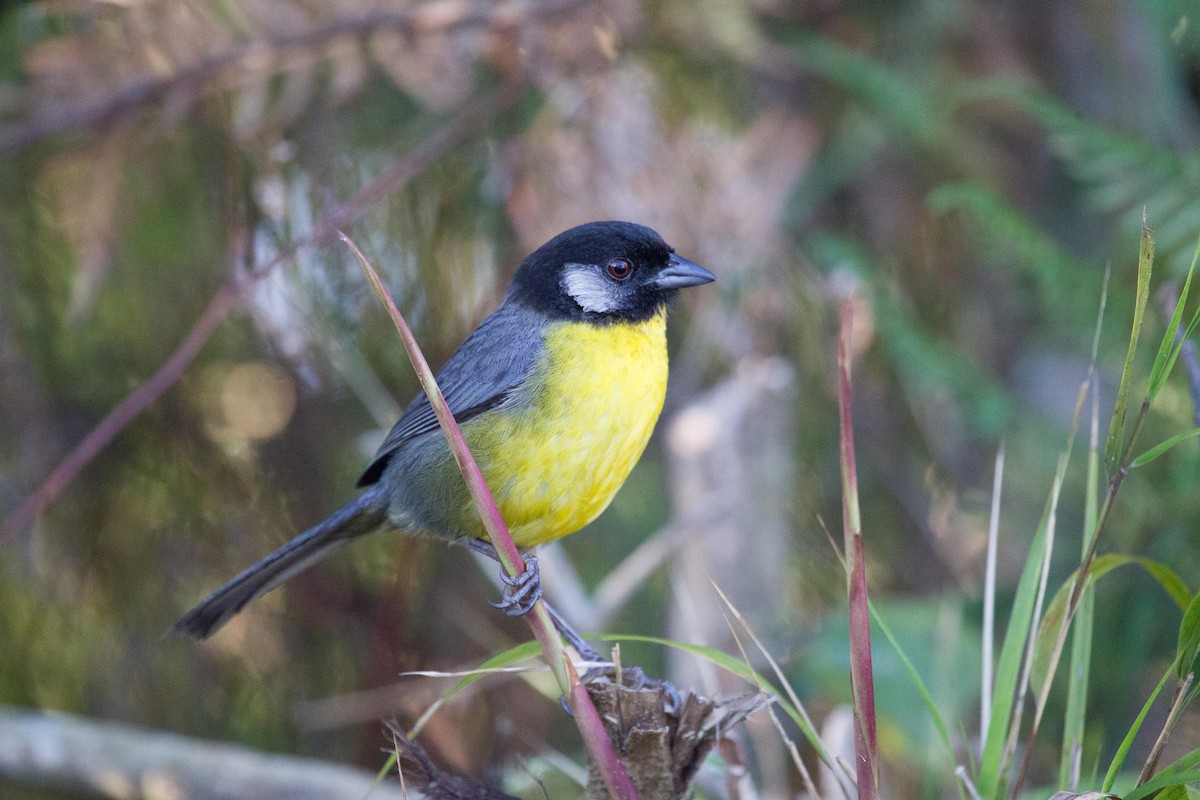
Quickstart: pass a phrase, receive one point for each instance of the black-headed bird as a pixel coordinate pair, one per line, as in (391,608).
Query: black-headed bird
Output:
(557,393)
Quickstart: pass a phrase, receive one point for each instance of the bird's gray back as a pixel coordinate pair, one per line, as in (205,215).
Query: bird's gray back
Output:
(487,371)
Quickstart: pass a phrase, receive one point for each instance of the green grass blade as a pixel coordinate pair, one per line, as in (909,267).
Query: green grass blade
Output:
(1116,430)
(1075,716)
(915,676)
(381,776)
(1008,671)
(989,600)
(1189,639)
(1167,578)
(1188,762)
(1191,328)
(1016,655)
(503,659)
(1176,792)
(1079,669)
(1156,785)
(1173,340)
(1162,447)
(1041,690)
(779,675)
(1162,781)
(1123,751)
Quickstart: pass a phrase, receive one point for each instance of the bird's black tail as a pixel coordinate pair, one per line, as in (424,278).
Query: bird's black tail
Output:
(362,515)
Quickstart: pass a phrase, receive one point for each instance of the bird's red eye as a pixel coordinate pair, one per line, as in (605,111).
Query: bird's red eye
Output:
(620,268)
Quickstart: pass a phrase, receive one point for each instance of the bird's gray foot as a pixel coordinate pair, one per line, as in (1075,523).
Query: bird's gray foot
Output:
(523,591)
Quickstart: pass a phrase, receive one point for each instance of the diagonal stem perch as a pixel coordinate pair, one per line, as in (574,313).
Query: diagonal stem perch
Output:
(599,746)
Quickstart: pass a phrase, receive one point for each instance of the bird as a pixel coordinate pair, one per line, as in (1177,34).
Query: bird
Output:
(557,392)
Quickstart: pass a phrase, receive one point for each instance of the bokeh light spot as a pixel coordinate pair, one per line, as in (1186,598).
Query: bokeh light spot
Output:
(257,399)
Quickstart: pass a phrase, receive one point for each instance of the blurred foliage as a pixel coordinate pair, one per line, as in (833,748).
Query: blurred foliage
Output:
(966,169)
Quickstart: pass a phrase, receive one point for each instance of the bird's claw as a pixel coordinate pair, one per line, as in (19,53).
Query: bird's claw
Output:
(521,591)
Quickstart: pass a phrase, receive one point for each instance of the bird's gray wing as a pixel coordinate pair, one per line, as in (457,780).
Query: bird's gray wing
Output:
(484,372)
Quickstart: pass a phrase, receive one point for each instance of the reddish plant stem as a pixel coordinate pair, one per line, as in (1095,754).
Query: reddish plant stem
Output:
(587,718)
(862,683)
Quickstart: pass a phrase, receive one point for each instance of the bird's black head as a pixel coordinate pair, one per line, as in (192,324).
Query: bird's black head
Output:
(604,272)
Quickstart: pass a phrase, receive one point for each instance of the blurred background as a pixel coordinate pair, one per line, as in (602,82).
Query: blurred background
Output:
(963,171)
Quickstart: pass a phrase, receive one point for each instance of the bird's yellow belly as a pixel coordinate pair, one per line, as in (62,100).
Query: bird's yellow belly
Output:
(556,463)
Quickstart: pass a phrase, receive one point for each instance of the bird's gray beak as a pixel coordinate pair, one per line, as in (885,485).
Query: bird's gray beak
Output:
(681,273)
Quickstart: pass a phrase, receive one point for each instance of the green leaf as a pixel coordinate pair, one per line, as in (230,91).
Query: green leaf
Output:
(1167,578)
(1189,639)
(1176,792)
(1162,781)
(1116,431)
(1173,340)
(1162,447)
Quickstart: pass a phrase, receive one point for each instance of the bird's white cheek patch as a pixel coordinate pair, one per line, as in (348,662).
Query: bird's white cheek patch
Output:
(591,290)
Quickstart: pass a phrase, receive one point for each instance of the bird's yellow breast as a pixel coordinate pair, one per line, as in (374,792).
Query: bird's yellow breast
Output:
(556,462)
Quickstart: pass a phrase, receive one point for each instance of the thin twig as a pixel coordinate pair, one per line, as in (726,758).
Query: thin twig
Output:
(469,119)
(1178,703)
